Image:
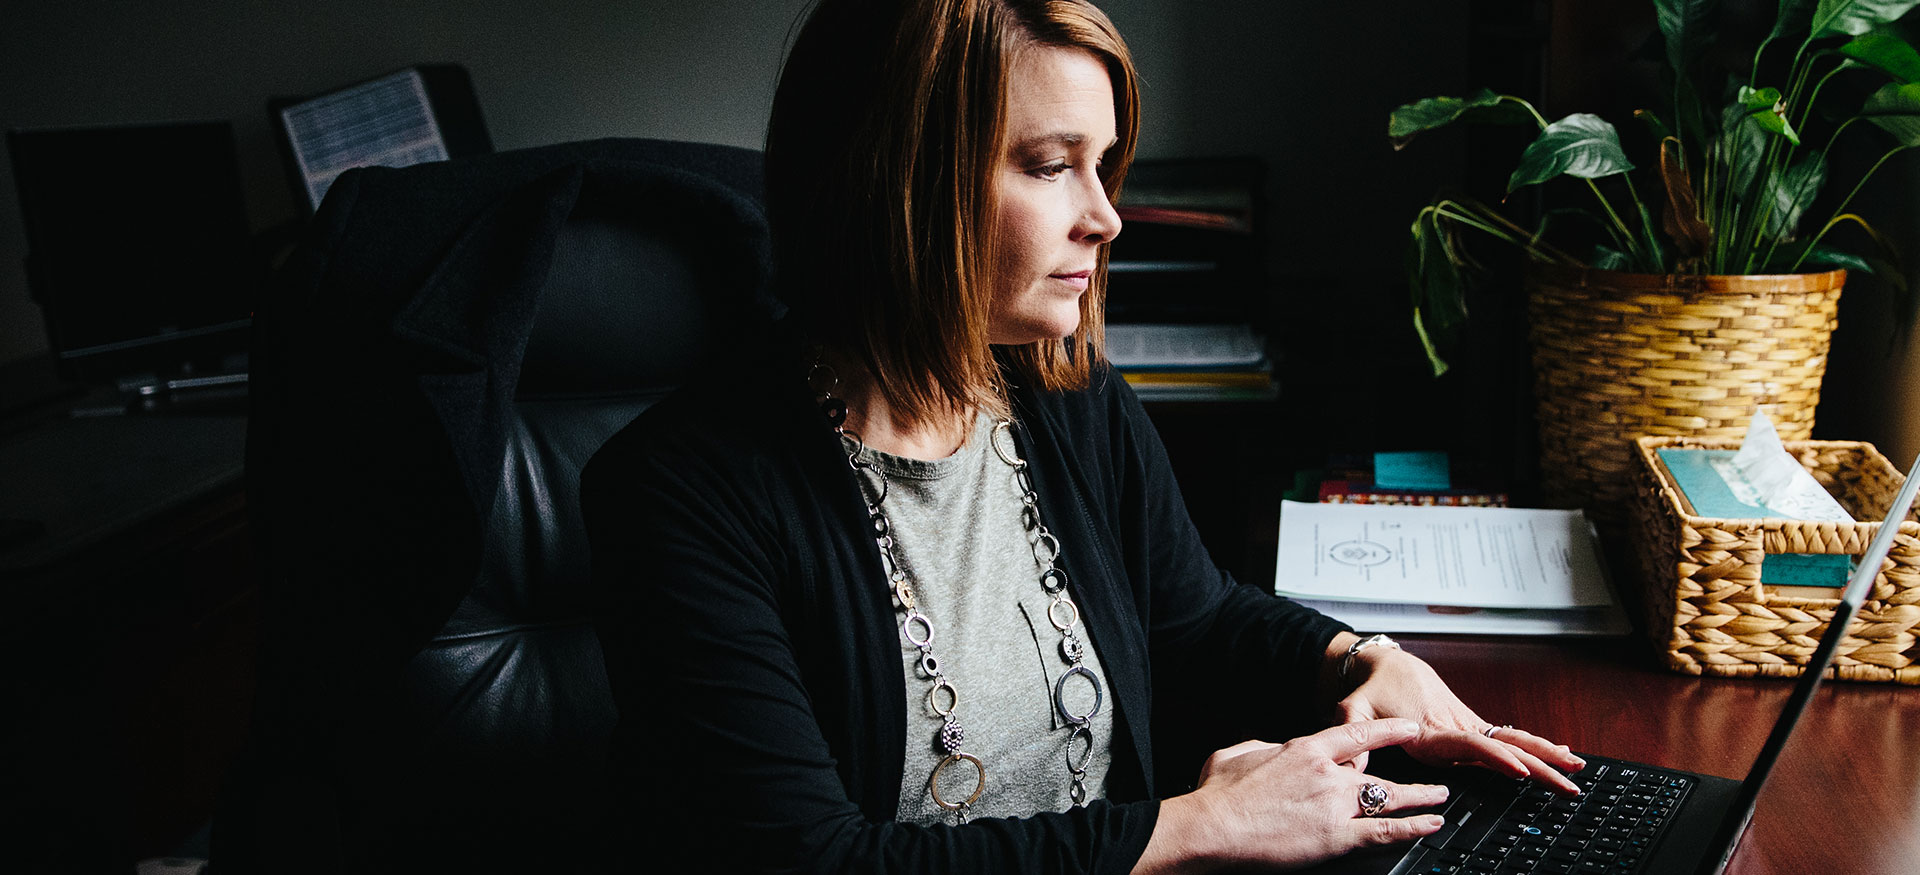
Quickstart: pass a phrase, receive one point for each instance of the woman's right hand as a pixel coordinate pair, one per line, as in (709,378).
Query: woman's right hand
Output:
(1289,805)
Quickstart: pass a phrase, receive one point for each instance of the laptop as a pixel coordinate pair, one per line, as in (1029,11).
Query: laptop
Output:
(1631,818)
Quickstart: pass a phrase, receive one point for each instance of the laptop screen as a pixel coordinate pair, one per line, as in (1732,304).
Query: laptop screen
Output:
(1735,823)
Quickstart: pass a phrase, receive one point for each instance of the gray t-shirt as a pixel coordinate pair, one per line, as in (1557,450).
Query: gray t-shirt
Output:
(957,529)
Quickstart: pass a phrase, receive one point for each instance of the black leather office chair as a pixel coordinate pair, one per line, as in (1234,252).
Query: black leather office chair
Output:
(437,361)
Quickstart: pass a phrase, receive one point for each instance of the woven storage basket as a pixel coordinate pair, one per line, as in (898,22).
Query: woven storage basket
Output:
(1705,606)
(1618,355)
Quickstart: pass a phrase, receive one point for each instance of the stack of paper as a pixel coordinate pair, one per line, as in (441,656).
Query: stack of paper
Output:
(1492,570)
(1192,362)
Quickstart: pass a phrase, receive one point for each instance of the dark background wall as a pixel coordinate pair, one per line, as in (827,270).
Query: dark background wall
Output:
(1288,82)
(1306,86)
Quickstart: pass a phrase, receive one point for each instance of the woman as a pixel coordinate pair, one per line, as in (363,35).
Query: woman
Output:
(895,596)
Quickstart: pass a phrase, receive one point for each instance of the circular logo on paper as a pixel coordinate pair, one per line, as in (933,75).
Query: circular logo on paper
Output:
(1360,554)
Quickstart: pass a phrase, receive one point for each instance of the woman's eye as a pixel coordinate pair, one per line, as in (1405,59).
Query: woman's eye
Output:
(1050,172)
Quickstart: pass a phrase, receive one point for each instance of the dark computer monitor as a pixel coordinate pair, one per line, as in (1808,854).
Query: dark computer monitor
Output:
(138,249)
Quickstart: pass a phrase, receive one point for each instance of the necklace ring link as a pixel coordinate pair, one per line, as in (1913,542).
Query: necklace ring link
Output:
(1054,615)
(1050,543)
(917,620)
(1006,426)
(940,682)
(1081,734)
(1060,695)
(933,784)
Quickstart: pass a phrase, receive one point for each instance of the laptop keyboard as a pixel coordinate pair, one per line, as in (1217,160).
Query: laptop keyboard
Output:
(1610,828)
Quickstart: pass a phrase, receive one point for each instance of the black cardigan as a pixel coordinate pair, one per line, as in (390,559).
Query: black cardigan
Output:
(754,651)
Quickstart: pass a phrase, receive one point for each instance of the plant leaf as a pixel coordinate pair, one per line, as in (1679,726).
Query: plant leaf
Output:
(1792,19)
(1581,144)
(1765,107)
(1608,258)
(1792,192)
(1897,109)
(1891,268)
(1682,217)
(1433,112)
(1885,49)
(1827,256)
(1684,24)
(1437,288)
(1855,17)
(1742,148)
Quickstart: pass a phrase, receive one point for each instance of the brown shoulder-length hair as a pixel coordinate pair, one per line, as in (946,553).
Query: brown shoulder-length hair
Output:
(887,129)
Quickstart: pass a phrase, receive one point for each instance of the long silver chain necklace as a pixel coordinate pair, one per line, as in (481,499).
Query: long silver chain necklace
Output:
(943,698)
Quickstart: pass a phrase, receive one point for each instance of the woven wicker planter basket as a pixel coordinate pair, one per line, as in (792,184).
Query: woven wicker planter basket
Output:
(1705,606)
(1618,355)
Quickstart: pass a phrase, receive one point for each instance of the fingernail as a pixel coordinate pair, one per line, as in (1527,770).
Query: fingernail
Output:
(1432,821)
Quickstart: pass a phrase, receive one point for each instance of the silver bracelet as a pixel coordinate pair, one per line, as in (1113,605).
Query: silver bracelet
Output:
(1346,664)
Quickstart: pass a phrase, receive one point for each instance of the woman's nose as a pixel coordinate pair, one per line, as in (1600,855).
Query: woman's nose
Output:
(1099,222)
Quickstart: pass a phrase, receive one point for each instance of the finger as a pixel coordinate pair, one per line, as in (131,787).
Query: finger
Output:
(1557,755)
(1456,746)
(1371,831)
(1473,747)
(1348,740)
(1405,797)
(1359,762)
(1546,774)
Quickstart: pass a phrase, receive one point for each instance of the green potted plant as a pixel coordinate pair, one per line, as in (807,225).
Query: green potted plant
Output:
(1711,282)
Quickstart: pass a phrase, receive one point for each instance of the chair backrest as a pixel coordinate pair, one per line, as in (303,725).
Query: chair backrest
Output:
(445,354)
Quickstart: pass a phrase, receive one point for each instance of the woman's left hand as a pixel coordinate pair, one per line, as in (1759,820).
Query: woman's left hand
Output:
(1393,683)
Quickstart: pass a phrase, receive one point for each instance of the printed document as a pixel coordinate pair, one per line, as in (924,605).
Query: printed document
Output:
(1488,557)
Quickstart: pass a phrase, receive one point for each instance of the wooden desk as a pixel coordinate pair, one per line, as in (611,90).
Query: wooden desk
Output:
(129,623)
(1844,798)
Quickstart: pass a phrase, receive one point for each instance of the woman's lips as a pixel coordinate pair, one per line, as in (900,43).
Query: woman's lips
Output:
(1077,280)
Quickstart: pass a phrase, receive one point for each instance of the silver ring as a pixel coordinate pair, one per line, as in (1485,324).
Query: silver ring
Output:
(1373,798)
(1490,730)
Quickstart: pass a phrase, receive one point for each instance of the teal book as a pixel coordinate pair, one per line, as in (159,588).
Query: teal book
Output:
(1425,469)
(1715,488)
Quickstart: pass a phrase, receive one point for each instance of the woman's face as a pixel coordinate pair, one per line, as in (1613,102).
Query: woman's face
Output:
(1052,213)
